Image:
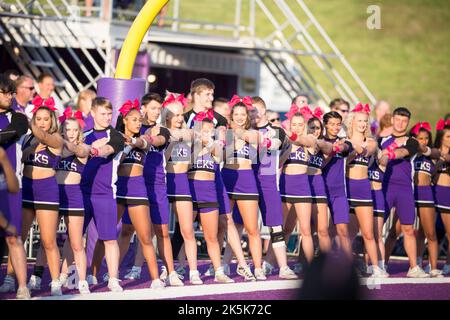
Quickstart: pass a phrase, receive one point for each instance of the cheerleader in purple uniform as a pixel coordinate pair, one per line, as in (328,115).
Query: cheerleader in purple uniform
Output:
(334,176)
(442,181)
(358,184)
(424,197)
(206,154)
(178,154)
(71,206)
(131,189)
(41,154)
(238,176)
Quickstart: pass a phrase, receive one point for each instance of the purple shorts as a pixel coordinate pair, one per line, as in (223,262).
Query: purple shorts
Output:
(295,188)
(339,209)
(379,206)
(70,200)
(359,193)
(240,184)
(269,201)
(402,198)
(131,191)
(442,196)
(317,186)
(222,196)
(40,194)
(103,209)
(424,196)
(12,208)
(204,195)
(178,187)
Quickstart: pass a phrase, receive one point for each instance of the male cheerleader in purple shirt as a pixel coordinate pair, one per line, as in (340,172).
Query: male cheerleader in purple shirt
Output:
(98,184)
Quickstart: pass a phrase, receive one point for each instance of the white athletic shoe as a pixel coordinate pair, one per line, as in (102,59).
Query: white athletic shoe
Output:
(23,293)
(436,273)
(174,280)
(163,275)
(63,279)
(446,269)
(221,277)
(55,286)
(83,287)
(226,269)
(134,273)
(157,284)
(92,280)
(210,271)
(34,283)
(245,272)
(114,285)
(417,272)
(9,284)
(287,273)
(298,268)
(106,277)
(267,267)
(194,277)
(259,274)
(377,272)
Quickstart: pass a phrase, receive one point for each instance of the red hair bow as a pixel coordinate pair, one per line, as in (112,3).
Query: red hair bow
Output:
(318,113)
(69,114)
(419,125)
(293,110)
(128,106)
(245,100)
(204,115)
(440,125)
(38,102)
(306,112)
(362,108)
(171,98)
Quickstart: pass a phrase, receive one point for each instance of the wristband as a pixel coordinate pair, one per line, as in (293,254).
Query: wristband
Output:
(428,152)
(145,144)
(293,136)
(336,149)
(133,140)
(392,146)
(391,155)
(94,152)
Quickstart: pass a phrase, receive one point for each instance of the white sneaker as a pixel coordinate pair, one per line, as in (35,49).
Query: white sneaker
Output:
(298,268)
(23,293)
(194,277)
(106,277)
(92,280)
(157,284)
(164,273)
(174,280)
(287,273)
(446,269)
(259,274)
(55,286)
(267,267)
(63,279)
(377,272)
(134,273)
(226,269)
(417,272)
(113,285)
(221,277)
(83,287)
(34,283)
(9,284)
(436,273)
(246,273)
(210,271)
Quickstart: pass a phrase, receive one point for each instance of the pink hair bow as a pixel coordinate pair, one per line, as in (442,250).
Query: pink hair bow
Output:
(39,102)
(68,114)
(204,115)
(419,125)
(245,100)
(440,125)
(128,106)
(362,108)
(171,98)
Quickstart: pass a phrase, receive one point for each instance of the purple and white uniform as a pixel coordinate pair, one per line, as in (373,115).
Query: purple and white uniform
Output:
(442,193)
(359,190)
(335,186)
(40,193)
(398,184)
(98,184)
(316,182)
(377,175)
(424,194)
(70,196)
(177,183)
(13,129)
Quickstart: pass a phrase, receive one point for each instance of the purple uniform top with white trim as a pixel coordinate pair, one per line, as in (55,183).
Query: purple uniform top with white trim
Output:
(71,164)
(423,164)
(334,172)
(41,159)
(100,174)
(267,164)
(204,162)
(375,173)
(316,160)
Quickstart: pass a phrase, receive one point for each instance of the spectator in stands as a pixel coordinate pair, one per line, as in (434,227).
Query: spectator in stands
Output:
(343,108)
(385,126)
(220,105)
(25,91)
(274,118)
(46,89)
(381,108)
(84,104)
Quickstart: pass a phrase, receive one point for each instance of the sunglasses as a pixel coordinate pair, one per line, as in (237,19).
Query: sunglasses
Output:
(275,119)
(29,88)
(314,128)
(9,93)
